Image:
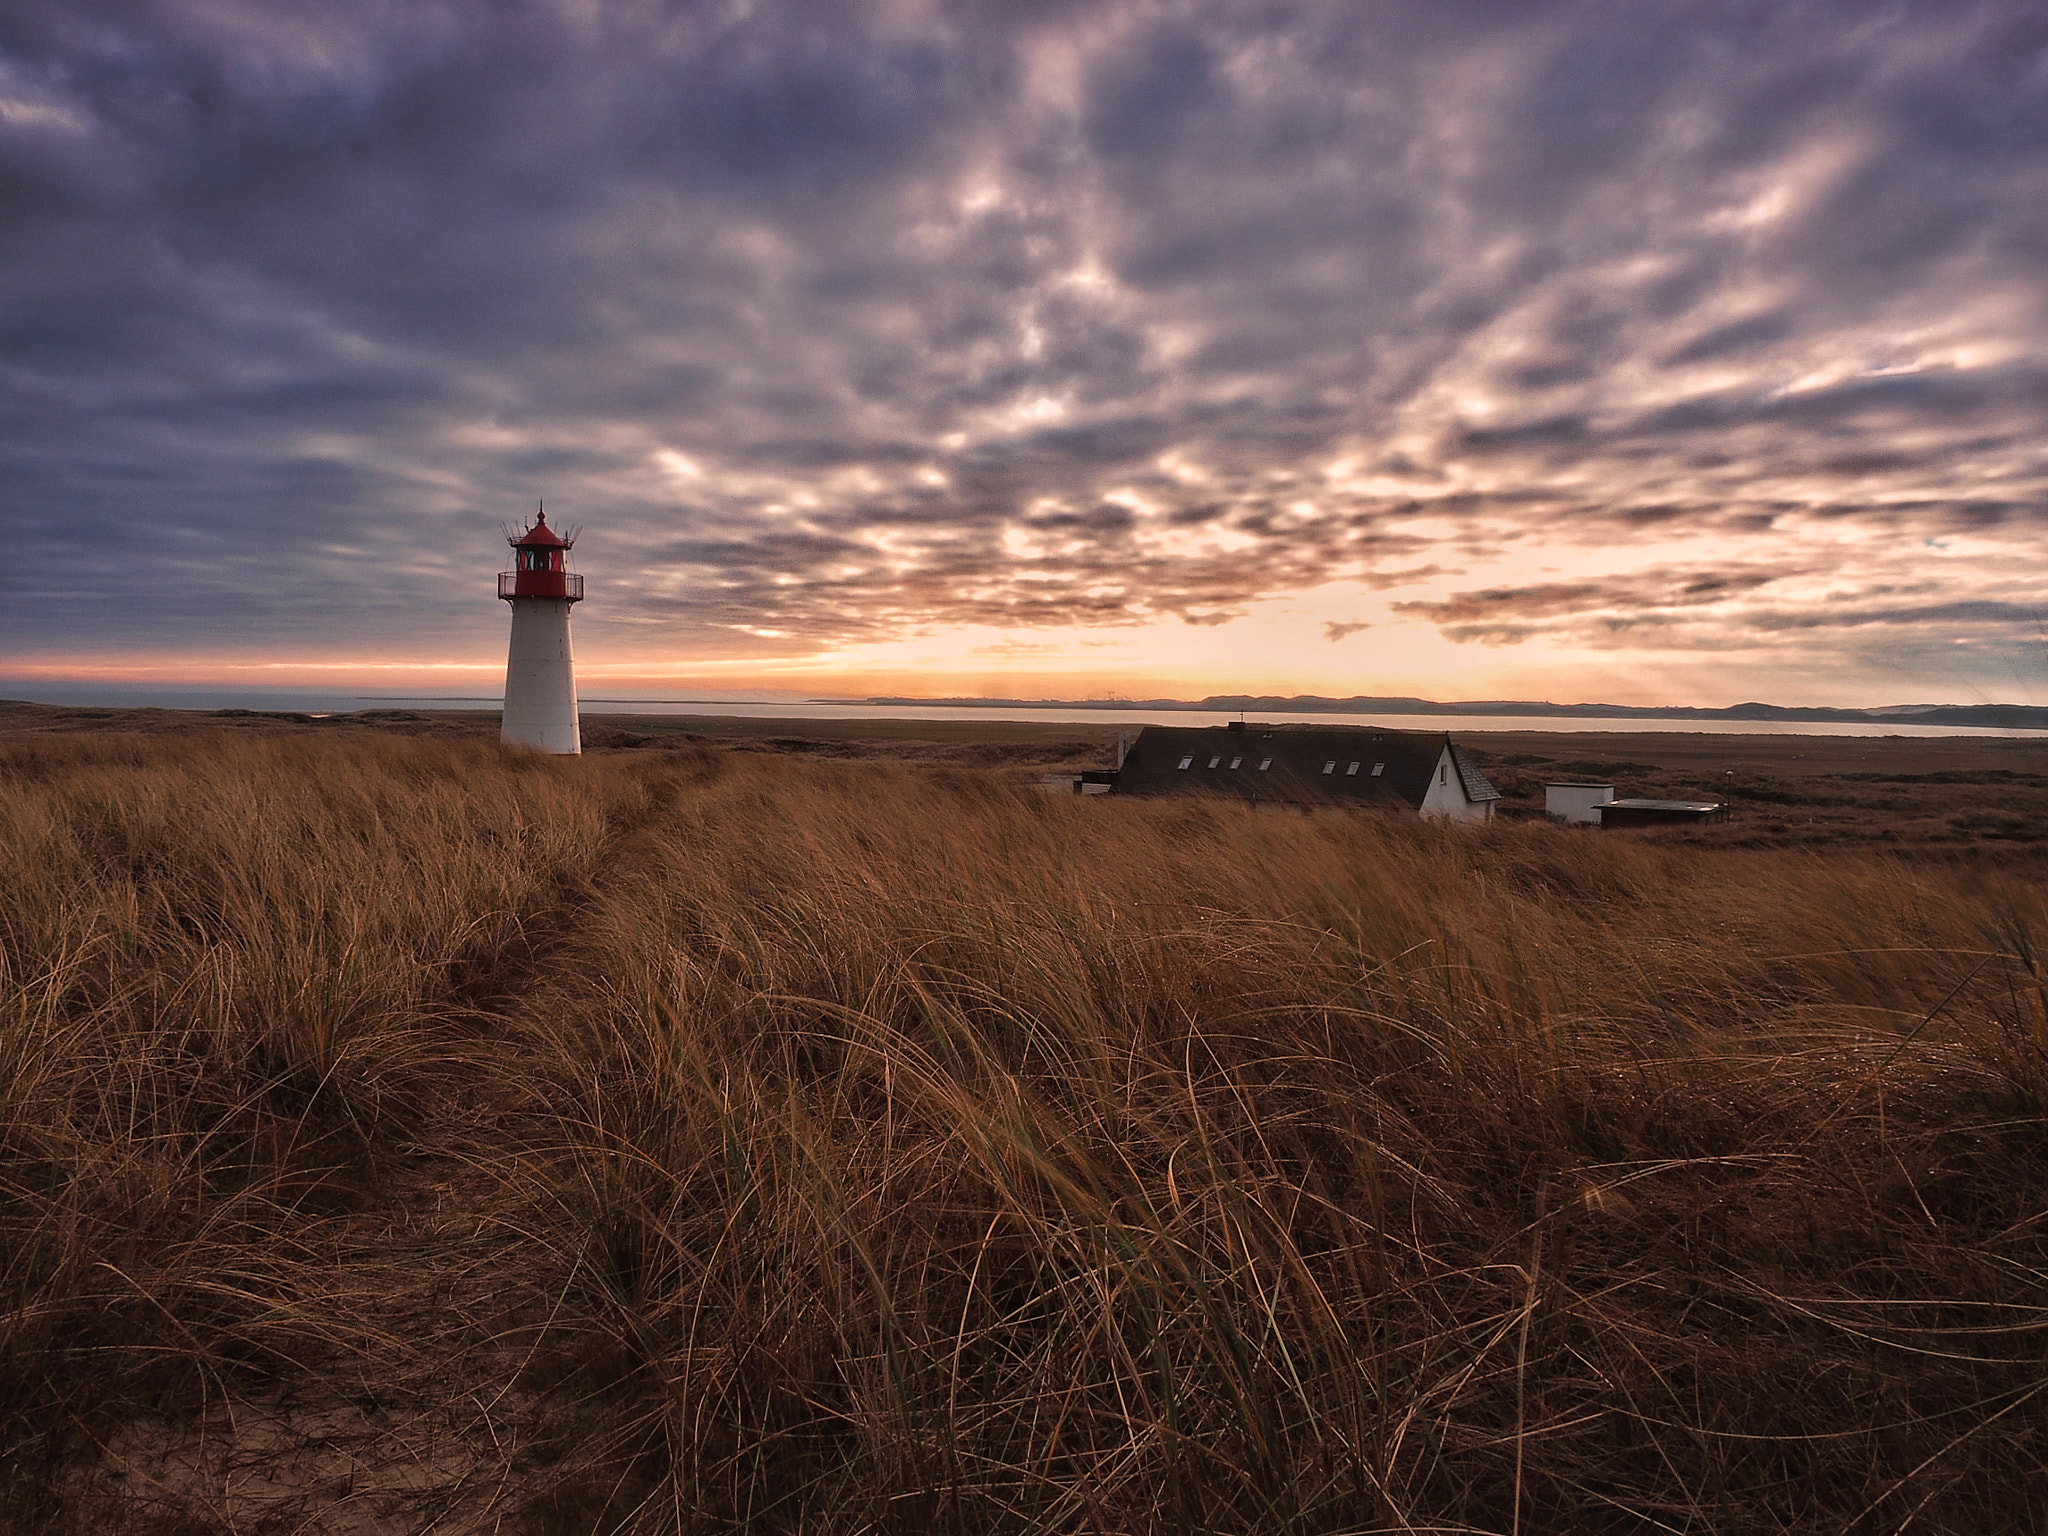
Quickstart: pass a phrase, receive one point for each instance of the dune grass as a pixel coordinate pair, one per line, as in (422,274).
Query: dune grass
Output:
(885,1148)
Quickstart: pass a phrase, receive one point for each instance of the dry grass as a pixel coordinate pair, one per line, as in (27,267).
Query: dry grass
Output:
(691,1141)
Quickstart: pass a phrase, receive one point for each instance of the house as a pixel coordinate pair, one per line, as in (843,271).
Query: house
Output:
(1659,813)
(1577,803)
(1310,768)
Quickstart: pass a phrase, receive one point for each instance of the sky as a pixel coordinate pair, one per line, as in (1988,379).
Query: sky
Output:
(1666,353)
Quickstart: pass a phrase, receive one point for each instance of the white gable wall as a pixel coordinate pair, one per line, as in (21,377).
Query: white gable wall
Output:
(1446,798)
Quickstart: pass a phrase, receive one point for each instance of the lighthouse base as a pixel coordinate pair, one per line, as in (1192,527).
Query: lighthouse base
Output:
(540,678)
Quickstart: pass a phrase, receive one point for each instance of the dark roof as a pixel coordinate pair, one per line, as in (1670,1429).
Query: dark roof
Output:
(540,536)
(1295,758)
(1477,785)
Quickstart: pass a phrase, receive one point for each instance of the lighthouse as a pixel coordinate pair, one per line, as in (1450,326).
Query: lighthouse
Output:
(540,672)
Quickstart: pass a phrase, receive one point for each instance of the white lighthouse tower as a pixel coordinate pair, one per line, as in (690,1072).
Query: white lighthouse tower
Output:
(540,671)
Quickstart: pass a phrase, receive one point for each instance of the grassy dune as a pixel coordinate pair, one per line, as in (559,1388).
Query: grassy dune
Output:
(397,1134)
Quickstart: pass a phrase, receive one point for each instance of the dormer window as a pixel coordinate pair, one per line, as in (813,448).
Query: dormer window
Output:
(1187,762)
(1351,772)
(1265,763)
(1215,760)
(1235,761)
(1330,766)
(1378,769)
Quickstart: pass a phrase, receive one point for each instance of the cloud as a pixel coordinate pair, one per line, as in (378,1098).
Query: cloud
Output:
(1947,615)
(1046,317)
(1668,611)
(1506,611)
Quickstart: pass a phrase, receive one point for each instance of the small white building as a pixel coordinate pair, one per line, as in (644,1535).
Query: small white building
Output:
(1093,781)
(1575,803)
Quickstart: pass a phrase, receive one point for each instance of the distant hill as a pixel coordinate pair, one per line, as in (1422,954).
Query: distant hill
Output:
(2015,717)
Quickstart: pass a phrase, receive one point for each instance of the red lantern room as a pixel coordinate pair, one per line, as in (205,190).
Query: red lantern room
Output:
(540,566)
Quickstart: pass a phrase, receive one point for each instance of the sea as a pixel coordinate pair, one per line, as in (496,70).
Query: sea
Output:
(330,703)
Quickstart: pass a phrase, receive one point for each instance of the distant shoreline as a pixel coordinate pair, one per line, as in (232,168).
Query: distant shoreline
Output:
(2022,717)
(1487,715)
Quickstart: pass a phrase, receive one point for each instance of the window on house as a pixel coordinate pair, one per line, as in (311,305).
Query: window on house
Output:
(1187,762)
(1351,772)
(1265,763)
(1215,760)
(1330,766)
(1443,773)
(1235,761)
(1378,769)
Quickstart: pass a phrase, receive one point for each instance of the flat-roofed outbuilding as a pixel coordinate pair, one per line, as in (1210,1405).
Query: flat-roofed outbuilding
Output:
(1312,768)
(1659,813)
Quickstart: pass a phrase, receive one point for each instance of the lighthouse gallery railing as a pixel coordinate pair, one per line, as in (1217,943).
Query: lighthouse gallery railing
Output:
(541,584)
